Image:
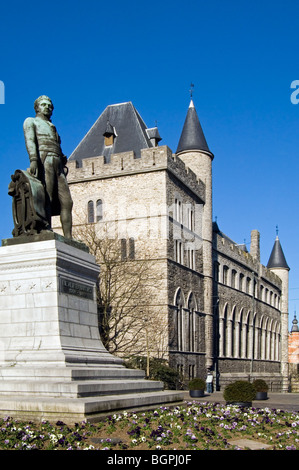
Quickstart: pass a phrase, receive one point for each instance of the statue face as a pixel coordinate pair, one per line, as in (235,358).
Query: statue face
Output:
(45,107)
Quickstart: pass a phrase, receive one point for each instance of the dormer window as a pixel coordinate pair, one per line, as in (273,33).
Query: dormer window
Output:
(154,136)
(109,135)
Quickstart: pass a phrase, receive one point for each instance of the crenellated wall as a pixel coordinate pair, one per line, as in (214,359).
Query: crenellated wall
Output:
(153,159)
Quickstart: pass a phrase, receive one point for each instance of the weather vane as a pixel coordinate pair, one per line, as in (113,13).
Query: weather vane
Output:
(191,89)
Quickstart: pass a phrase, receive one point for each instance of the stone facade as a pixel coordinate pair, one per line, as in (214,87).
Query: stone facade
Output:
(247,313)
(222,308)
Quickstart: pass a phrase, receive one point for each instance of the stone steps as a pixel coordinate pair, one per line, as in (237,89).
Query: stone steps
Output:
(78,388)
(70,373)
(90,409)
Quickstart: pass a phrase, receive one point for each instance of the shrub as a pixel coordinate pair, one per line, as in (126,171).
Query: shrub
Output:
(159,370)
(170,377)
(197,384)
(239,391)
(260,385)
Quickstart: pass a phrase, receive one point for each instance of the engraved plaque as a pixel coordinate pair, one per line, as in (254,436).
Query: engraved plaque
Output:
(76,288)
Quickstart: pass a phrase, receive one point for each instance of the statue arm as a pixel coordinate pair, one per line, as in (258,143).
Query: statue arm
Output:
(30,139)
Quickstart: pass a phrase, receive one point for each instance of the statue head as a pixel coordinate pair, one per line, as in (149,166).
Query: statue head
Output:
(44,105)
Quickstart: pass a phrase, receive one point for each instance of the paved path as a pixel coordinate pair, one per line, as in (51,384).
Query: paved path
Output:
(282,401)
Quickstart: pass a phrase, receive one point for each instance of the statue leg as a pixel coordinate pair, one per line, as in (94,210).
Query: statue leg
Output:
(66,205)
(49,178)
(57,188)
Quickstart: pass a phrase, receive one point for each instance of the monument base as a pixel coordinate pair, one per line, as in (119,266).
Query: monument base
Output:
(91,410)
(53,364)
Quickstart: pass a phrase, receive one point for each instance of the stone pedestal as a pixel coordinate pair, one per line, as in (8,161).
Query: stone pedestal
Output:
(48,306)
(53,364)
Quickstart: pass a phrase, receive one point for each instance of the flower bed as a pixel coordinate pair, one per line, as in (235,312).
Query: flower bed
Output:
(191,426)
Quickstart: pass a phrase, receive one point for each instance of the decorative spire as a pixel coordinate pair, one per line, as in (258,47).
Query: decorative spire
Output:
(277,258)
(192,137)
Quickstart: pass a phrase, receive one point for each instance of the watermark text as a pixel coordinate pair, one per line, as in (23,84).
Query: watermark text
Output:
(295,94)
(2,92)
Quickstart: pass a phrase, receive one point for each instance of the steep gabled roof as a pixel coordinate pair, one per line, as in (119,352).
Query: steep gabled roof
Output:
(192,137)
(128,128)
(277,258)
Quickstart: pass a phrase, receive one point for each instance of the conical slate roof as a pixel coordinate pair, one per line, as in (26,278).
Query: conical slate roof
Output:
(192,137)
(277,258)
(125,123)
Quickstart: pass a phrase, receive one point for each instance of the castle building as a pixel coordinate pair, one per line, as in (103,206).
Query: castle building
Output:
(225,312)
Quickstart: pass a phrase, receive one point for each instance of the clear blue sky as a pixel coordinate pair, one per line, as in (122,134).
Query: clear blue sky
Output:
(242,58)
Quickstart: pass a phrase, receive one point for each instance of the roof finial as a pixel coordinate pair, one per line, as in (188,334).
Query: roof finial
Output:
(191,90)
(276,230)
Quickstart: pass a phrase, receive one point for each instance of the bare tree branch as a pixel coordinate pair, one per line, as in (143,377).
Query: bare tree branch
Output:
(126,291)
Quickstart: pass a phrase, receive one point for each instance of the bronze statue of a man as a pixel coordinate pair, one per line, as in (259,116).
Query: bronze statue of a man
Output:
(47,162)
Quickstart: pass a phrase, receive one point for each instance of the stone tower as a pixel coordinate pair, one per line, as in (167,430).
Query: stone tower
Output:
(277,264)
(194,152)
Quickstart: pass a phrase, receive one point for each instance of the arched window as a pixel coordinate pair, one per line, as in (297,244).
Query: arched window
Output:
(225,275)
(241,326)
(178,251)
(233,332)
(190,258)
(216,271)
(99,210)
(224,332)
(179,302)
(123,248)
(131,248)
(241,282)
(178,210)
(234,275)
(248,285)
(90,212)
(191,323)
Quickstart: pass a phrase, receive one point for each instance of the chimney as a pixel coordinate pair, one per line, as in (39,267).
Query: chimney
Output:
(255,245)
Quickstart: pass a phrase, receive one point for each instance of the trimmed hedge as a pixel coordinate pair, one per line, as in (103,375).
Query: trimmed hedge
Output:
(197,384)
(239,391)
(260,385)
